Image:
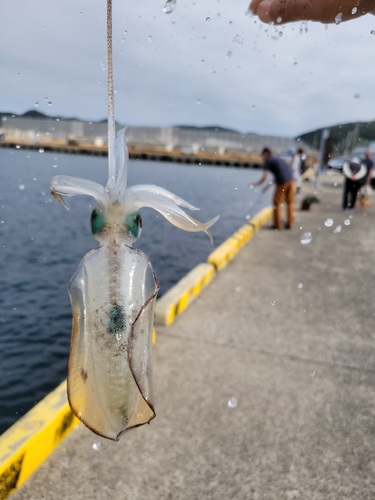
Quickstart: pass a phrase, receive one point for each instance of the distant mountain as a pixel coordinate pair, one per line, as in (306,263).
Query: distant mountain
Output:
(210,128)
(344,137)
(33,113)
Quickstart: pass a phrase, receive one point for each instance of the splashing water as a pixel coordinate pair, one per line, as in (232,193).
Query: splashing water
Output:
(347,222)
(328,223)
(306,238)
(233,402)
(338,18)
(337,229)
(354,10)
(237,41)
(169,6)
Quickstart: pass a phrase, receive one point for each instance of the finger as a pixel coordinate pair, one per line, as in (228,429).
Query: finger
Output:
(254,4)
(324,11)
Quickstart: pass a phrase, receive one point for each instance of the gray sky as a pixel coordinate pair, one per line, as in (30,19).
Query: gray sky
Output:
(174,69)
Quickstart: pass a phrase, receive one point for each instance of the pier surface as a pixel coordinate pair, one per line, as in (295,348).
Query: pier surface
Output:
(287,329)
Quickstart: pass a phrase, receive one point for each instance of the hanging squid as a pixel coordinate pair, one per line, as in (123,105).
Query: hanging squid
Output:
(114,290)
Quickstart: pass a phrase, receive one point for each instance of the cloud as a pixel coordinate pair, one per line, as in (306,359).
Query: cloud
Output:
(165,64)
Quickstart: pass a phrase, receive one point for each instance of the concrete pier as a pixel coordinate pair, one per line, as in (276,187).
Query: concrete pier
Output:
(265,385)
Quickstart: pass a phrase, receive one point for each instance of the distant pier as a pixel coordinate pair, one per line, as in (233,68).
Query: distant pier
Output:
(143,153)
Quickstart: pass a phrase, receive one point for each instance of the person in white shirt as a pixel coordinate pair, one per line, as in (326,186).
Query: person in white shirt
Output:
(296,167)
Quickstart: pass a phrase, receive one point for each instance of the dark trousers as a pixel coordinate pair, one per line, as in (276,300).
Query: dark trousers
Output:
(351,189)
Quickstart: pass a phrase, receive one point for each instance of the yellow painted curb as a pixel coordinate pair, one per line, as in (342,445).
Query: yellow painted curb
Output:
(244,234)
(177,299)
(224,253)
(261,218)
(25,445)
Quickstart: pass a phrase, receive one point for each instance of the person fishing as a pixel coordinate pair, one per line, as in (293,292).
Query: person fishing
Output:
(355,174)
(283,177)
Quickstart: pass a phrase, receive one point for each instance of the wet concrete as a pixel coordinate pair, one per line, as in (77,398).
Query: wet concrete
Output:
(288,331)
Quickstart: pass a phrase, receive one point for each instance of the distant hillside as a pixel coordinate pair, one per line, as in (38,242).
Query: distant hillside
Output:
(210,128)
(33,113)
(344,137)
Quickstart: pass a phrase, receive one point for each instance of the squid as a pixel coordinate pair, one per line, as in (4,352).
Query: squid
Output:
(112,296)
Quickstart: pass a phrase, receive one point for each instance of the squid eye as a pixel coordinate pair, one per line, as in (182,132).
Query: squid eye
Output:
(133,223)
(97,221)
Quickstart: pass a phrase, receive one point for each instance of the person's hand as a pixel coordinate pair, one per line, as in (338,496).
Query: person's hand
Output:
(324,11)
(267,186)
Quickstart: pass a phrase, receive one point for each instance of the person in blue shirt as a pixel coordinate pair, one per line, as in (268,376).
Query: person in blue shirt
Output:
(283,178)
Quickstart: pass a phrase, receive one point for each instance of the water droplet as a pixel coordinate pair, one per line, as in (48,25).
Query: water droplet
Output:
(300,286)
(237,41)
(21,187)
(229,53)
(41,150)
(18,146)
(273,303)
(149,39)
(354,10)
(356,96)
(49,103)
(36,104)
(202,61)
(280,34)
(218,15)
(238,288)
(54,166)
(306,238)
(372,32)
(328,223)
(279,19)
(233,402)
(169,6)
(253,107)
(2,221)
(338,18)
(208,19)
(347,222)
(96,446)
(248,217)
(295,63)
(313,373)
(236,188)
(337,229)
(199,102)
